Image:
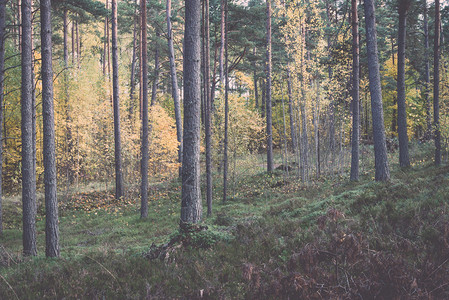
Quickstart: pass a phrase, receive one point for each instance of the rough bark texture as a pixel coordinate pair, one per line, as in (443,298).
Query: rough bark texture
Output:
(355,94)
(436,85)
(427,75)
(2,61)
(104,46)
(404,160)
(144,112)
(270,165)
(226,124)
(51,200)
(208,121)
(380,147)
(174,84)
(28,176)
(191,209)
(222,40)
(133,66)
(116,105)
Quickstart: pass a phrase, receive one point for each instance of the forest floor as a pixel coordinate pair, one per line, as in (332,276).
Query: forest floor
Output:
(276,238)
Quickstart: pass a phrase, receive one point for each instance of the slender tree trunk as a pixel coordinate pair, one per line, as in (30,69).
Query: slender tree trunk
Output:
(256,91)
(226,124)
(394,118)
(156,73)
(355,94)
(214,80)
(2,65)
(191,209)
(115,90)
(302,104)
(144,112)
(264,91)
(78,48)
(66,96)
(73,42)
(436,85)
(304,143)
(105,44)
(133,65)
(19,22)
(208,116)
(380,147)
(33,99)
(142,84)
(331,104)
(270,166)
(316,124)
(65,38)
(51,200)
(428,133)
(222,39)
(28,176)
(285,131)
(174,84)
(290,110)
(404,160)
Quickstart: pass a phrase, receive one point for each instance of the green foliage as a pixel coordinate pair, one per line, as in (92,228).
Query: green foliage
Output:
(260,245)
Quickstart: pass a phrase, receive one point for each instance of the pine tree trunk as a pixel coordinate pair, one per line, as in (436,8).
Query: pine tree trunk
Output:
(78,48)
(355,94)
(144,112)
(191,209)
(264,91)
(2,64)
(141,64)
(290,111)
(331,104)
(33,102)
(73,42)
(270,166)
(316,123)
(51,201)
(436,85)
(285,132)
(404,160)
(226,122)
(133,66)
(156,73)
(105,44)
(69,172)
(222,40)
(380,147)
(116,104)
(256,91)
(174,83)
(65,38)
(28,176)
(214,80)
(208,115)
(428,133)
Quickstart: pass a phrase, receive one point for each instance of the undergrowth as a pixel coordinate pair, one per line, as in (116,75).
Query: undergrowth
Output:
(275,238)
